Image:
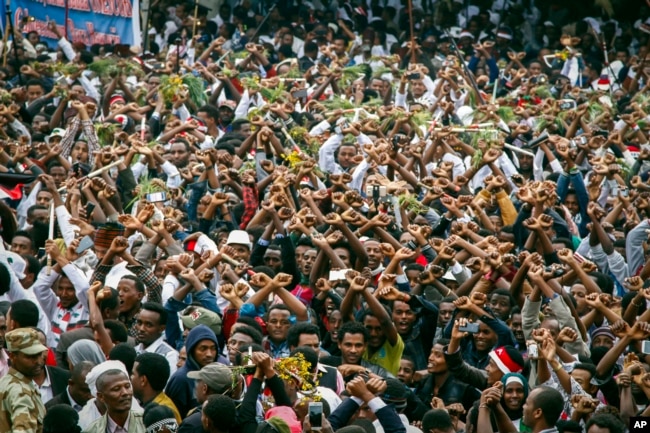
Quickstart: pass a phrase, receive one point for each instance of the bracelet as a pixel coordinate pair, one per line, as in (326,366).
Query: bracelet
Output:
(481,406)
(558,368)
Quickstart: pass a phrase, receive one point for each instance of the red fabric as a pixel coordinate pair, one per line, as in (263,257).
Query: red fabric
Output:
(503,356)
(51,358)
(304,294)
(15,193)
(421,260)
(250,206)
(229,318)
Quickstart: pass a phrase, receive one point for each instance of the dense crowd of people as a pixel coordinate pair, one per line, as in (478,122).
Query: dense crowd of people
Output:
(352,216)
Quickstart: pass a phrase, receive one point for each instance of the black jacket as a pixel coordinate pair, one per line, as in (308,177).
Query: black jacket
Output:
(58,399)
(58,379)
(452,391)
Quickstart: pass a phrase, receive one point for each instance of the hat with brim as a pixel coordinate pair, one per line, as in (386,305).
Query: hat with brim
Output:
(202,316)
(24,340)
(216,375)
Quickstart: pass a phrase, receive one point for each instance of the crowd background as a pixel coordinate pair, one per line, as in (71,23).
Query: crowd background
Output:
(413,219)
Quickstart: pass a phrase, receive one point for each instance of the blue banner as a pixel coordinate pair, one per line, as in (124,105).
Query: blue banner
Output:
(86,21)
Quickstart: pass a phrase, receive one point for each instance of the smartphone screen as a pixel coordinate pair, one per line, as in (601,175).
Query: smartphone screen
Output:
(316,415)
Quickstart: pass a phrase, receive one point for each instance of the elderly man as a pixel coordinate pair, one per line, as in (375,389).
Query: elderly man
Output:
(21,407)
(115,392)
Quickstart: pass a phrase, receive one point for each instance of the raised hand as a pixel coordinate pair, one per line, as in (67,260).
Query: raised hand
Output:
(119,245)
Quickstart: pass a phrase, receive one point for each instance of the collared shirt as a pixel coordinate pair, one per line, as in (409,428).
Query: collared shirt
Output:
(276,350)
(45,389)
(76,406)
(162,348)
(387,356)
(112,427)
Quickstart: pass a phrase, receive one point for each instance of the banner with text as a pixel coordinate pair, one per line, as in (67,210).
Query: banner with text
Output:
(88,21)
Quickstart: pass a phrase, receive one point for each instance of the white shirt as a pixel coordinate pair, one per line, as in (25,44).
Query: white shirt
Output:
(159,346)
(76,406)
(46,388)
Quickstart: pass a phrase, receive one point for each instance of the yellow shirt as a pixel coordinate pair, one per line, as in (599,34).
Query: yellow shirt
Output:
(163,400)
(387,356)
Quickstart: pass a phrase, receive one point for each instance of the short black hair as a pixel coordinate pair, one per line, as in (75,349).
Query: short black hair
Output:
(110,302)
(34,82)
(139,285)
(155,368)
(80,369)
(353,328)
(564,426)
(608,421)
(33,265)
(281,307)
(237,123)
(25,313)
(251,322)
(25,234)
(61,418)
(293,336)
(591,368)
(227,147)
(156,308)
(547,399)
(239,356)
(125,353)
(253,333)
(118,330)
(438,419)
(221,411)
(154,412)
(210,110)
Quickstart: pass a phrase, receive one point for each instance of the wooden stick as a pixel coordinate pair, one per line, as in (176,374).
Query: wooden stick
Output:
(50,236)
(196,16)
(516,149)
(410,9)
(95,173)
(5,41)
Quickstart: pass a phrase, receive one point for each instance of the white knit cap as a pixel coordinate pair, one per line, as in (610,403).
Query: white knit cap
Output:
(98,370)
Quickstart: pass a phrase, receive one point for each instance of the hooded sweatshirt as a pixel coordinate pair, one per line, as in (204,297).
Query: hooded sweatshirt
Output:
(180,388)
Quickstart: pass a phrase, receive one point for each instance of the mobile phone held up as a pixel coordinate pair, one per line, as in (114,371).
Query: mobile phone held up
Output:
(472,328)
(316,415)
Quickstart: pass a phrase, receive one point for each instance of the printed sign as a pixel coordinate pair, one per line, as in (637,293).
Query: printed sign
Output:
(89,21)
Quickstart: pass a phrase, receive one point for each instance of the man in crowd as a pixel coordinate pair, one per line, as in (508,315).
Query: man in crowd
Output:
(332,199)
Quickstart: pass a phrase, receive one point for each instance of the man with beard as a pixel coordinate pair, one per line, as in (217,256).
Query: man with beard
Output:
(202,349)
(131,288)
(442,383)
(541,410)
(226,114)
(415,319)
(385,345)
(150,331)
(115,392)
(353,340)
(302,291)
(22,408)
(66,306)
(517,328)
